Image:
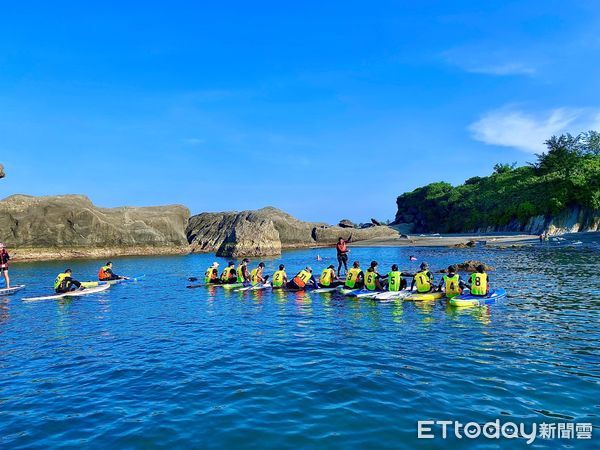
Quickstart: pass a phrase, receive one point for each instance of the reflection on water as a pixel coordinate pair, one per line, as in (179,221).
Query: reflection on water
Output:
(154,363)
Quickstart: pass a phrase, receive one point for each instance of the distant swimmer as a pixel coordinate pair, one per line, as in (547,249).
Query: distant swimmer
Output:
(319,258)
(412,258)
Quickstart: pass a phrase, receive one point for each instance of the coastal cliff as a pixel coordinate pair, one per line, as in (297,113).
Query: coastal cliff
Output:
(69,226)
(267,231)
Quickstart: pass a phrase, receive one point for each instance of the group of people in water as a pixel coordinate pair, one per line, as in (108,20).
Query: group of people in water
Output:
(65,282)
(356,278)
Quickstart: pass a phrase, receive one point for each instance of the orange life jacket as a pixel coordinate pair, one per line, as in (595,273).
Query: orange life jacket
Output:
(103,274)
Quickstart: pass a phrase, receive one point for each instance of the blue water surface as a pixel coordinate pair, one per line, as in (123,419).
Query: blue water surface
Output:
(155,365)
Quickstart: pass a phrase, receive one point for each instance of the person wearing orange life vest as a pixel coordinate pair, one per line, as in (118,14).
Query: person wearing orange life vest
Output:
(479,282)
(4,257)
(106,273)
(303,279)
(342,255)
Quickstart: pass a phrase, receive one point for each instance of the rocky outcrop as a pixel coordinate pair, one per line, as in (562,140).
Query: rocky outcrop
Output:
(470,266)
(266,232)
(345,223)
(1,171)
(70,224)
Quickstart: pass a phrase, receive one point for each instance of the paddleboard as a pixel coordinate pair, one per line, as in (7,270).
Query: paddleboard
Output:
(258,287)
(345,291)
(465,300)
(78,293)
(232,285)
(12,290)
(363,293)
(324,290)
(424,297)
(393,295)
(89,284)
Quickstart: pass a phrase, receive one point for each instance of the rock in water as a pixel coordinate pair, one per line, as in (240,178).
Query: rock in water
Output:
(345,223)
(251,236)
(471,266)
(71,223)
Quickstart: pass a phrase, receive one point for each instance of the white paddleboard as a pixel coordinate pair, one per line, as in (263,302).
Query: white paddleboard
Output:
(12,290)
(77,293)
(393,295)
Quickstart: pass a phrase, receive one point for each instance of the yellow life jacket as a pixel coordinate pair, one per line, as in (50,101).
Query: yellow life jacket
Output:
(59,279)
(423,281)
(227,274)
(351,277)
(209,275)
(479,283)
(326,277)
(240,274)
(302,278)
(371,280)
(394,279)
(278,278)
(255,275)
(452,285)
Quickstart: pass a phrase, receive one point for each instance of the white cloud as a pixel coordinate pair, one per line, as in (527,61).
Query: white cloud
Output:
(509,127)
(508,68)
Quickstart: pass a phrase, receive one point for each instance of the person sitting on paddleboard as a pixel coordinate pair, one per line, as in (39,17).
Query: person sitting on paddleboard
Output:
(211,276)
(423,280)
(354,277)
(329,279)
(229,275)
(479,282)
(4,258)
(106,273)
(243,275)
(396,282)
(256,275)
(451,283)
(342,255)
(373,278)
(66,283)
(302,279)
(280,277)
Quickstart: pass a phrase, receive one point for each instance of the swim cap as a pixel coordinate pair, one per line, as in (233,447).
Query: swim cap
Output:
(424,265)
(395,267)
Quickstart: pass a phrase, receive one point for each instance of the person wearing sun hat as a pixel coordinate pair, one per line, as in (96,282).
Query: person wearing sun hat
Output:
(212,274)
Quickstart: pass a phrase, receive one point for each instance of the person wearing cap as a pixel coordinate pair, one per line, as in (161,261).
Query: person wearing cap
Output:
(256,275)
(423,279)
(373,278)
(280,277)
(4,258)
(329,279)
(229,274)
(243,275)
(211,276)
(355,277)
(451,283)
(65,282)
(303,279)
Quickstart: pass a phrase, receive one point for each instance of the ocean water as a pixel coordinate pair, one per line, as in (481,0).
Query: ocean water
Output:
(155,365)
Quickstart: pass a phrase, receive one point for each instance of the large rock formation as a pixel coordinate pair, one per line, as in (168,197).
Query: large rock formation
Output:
(266,232)
(1,171)
(70,225)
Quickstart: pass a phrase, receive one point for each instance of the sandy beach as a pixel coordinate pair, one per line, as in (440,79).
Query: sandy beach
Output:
(449,240)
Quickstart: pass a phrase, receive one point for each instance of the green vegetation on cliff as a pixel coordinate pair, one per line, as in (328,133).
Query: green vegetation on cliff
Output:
(566,175)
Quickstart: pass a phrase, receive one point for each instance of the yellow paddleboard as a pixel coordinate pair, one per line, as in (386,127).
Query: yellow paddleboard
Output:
(425,297)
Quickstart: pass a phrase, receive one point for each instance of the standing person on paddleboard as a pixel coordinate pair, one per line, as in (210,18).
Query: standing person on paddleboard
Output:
(106,273)
(66,283)
(4,258)
(342,255)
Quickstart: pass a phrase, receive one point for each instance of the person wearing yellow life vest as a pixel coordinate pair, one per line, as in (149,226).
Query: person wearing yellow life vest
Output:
(329,279)
(395,281)
(66,283)
(373,278)
(243,275)
(256,275)
(451,283)
(211,276)
(423,280)
(279,278)
(479,282)
(354,277)
(303,279)
(106,273)
(229,274)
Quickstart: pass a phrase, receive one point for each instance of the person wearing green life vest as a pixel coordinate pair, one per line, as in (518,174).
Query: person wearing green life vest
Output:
(479,282)
(329,278)
(395,281)
(451,283)
(243,275)
(256,275)
(373,278)
(229,275)
(279,278)
(355,277)
(211,276)
(66,283)
(423,280)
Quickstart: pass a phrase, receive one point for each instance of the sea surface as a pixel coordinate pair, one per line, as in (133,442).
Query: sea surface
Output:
(155,365)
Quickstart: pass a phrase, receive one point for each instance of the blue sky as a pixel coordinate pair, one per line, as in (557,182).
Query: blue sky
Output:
(324,109)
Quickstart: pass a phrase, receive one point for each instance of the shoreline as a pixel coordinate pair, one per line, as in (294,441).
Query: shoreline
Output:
(28,254)
(449,240)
